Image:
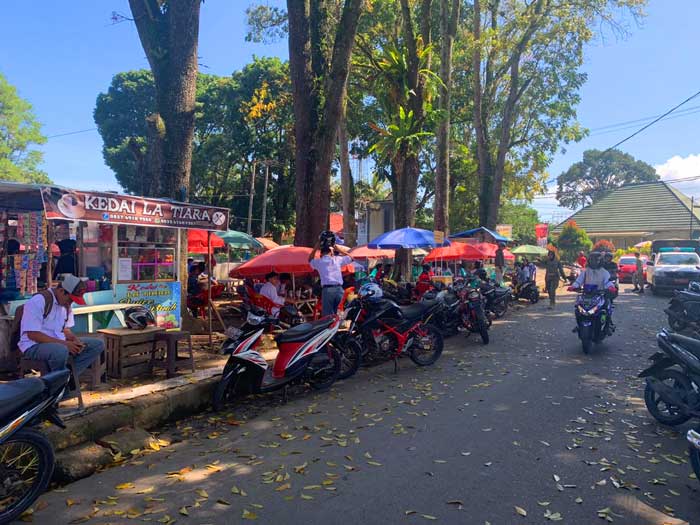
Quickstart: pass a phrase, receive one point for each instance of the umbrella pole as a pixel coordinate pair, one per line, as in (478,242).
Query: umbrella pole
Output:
(209,276)
(294,287)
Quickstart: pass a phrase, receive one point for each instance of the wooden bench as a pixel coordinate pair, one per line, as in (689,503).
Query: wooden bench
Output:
(130,352)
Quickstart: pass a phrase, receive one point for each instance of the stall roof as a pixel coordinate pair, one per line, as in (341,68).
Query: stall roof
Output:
(18,196)
(473,232)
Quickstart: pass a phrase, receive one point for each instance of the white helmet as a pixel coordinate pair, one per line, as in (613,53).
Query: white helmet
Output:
(370,292)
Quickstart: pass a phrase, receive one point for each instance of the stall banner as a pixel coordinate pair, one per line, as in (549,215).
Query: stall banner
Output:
(505,230)
(541,234)
(112,208)
(162,298)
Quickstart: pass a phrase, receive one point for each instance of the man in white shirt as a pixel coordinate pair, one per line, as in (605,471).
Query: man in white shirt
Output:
(269,290)
(47,336)
(329,267)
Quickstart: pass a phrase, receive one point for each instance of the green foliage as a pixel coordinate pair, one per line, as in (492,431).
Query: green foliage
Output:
(19,132)
(523,218)
(599,172)
(266,24)
(604,245)
(572,240)
(241,118)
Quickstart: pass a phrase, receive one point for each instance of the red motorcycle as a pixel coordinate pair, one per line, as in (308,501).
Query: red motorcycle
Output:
(305,356)
(386,330)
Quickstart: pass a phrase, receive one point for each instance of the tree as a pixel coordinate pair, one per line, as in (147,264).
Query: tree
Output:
(604,245)
(587,181)
(525,60)
(572,240)
(319,62)
(239,119)
(19,132)
(448,30)
(523,218)
(169,33)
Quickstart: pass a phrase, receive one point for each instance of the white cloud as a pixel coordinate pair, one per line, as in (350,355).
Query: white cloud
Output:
(678,167)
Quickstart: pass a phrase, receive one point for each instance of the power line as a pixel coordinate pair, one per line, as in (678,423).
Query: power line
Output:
(71,133)
(637,121)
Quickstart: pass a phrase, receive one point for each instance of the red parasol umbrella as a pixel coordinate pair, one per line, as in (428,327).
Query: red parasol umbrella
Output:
(458,251)
(489,250)
(285,259)
(363,252)
(197,241)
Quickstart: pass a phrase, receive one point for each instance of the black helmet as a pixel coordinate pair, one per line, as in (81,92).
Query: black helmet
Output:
(326,239)
(595,260)
(138,317)
(607,256)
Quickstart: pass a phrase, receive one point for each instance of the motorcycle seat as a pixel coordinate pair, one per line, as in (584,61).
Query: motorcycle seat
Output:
(687,295)
(304,331)
(17,394)
(690,344)
(417,310)
(55,381)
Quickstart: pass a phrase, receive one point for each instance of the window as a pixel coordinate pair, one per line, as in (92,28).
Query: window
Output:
(146,254)
(678,259)
(627,260)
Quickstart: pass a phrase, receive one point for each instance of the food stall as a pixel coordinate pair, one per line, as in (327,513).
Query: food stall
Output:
(126,247)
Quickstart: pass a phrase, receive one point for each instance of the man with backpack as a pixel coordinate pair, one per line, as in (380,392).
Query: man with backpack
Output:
(44,328)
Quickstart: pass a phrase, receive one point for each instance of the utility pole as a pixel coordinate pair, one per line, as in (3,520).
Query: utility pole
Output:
(264,203)
(692,212)
(250,199)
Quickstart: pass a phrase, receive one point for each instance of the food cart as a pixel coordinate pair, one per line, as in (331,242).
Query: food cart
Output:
(127,249)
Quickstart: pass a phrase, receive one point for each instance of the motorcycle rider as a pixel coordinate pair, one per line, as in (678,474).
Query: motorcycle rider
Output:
(553,270)
(611,266)
(596,277)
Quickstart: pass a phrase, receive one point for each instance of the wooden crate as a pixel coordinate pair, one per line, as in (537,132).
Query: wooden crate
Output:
(129,352)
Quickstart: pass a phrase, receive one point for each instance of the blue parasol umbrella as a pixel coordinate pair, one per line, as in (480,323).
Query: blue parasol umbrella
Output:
(406,238)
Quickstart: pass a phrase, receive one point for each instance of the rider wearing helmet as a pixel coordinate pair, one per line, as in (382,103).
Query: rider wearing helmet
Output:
(594,274)
(611,266)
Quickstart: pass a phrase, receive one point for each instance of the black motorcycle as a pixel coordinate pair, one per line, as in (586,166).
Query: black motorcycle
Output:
(527,290)
(497,298)
(672,386)
(447,318)
(26,456)
(684,308)
(593,317)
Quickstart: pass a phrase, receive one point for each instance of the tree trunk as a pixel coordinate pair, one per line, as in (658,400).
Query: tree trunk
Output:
(315,126)
(448,28)
(347,186)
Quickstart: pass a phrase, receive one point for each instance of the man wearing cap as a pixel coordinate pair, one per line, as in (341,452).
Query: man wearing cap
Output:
(47,336)
(329,268)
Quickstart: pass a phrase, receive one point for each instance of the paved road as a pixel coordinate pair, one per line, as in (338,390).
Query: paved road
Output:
(525,430)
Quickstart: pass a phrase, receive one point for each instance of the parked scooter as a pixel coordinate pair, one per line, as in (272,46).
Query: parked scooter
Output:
(593,317)
(684,308)
(527,290)
(497,298)
(447,319)
(26,456)
(672,391)
(305,356)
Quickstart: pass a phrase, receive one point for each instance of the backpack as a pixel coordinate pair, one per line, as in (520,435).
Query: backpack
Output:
(16,329)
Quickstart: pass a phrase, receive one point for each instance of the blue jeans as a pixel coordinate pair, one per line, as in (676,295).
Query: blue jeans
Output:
(56,354)
(330,299)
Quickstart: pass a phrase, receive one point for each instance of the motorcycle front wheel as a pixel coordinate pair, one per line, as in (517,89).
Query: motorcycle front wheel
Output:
(427,345)
(585,333)
(350,353)
(663,412)
(673,322)
(534,295)
(499,309)
(694,454)
(225,389)
(483,331)
(26,462)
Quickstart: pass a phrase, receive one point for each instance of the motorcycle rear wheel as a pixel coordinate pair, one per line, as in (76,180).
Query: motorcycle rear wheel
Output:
(534,295)
(500,309)
(670,415)
(427,345)
(31,453)
(673,322)
(324,369)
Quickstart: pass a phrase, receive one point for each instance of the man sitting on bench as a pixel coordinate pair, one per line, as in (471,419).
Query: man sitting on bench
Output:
(45,328)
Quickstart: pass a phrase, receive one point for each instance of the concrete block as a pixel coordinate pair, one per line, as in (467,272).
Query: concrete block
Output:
(126,440)
(80,462)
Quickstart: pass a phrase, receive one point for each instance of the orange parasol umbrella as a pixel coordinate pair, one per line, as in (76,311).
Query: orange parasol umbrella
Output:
(363,252)
(285,259)
(458,251)
(268,244)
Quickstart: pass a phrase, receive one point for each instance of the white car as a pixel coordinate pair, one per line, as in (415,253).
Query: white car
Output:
(673,270)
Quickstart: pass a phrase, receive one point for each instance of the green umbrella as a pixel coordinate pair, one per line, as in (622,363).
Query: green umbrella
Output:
(529,249)
(240,240)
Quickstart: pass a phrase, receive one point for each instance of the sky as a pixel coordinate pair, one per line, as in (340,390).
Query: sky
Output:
(60,55)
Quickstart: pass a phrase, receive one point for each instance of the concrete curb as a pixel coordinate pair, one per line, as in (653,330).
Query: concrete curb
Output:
(78,450)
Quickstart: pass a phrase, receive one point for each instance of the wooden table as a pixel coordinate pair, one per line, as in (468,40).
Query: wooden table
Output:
(104,314)
(130,352)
